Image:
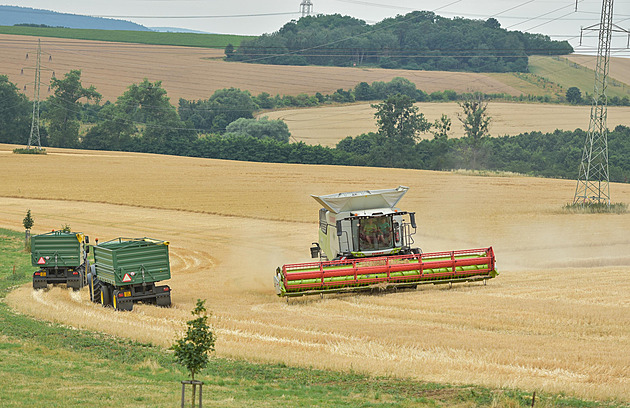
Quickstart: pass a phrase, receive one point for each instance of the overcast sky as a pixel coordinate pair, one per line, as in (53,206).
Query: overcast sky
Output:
(556,18)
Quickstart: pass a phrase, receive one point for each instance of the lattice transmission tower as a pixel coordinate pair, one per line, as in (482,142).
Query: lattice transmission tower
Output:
(34,137)
(306,7)
(593,178)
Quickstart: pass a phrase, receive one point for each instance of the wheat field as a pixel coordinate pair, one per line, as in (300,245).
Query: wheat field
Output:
(556,319)
(327,125)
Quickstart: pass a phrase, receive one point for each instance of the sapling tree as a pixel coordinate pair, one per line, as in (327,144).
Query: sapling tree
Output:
(193,350)
(28,224)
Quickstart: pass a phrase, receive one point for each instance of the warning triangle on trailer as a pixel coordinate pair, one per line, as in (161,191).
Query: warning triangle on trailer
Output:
(41,261)
(126,278)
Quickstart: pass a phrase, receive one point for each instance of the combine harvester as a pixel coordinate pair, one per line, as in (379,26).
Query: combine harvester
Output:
(365,244)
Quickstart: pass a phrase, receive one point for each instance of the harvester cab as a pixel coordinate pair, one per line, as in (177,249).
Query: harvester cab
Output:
(364,224)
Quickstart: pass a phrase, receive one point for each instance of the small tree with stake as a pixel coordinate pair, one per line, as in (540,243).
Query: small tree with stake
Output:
(28,224)
(192,351)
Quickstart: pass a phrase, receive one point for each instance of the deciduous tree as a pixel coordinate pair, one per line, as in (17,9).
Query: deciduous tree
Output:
(476,121)
(574,95)
(398,119)
(64,109)
(15,113)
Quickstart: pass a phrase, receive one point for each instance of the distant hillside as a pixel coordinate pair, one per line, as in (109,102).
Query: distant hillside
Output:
(12,15)
(177,30)
(128,36)
(420,40)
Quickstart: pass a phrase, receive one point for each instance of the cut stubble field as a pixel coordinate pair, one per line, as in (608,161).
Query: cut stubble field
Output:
(555,319)
(196,73)
(328,125)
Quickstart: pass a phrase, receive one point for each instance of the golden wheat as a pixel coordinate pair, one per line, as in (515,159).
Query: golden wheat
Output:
(328,125)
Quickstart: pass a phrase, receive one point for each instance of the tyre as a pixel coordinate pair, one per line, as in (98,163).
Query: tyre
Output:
(95,288)
(90,284)
(106,293)
(76,283)
(121,303)
(39,283)
(164,298)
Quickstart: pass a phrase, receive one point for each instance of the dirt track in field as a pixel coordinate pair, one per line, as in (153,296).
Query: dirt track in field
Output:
(555,319)
(328,125)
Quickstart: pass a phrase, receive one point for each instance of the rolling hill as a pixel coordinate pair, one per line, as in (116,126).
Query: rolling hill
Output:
(12,15)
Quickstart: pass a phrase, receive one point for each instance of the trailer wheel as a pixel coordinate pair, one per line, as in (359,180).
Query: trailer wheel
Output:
(94,284)
(121,303)
(105,295)
(163,299)
(76,284)
(39,283)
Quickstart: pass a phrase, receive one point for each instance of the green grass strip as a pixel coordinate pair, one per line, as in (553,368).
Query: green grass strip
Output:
(139,37)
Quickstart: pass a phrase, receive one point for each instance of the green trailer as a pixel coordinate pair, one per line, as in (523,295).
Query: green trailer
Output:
(126,270)
(61,258)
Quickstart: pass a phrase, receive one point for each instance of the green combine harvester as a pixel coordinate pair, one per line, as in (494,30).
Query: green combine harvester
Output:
(61,258)
(366,243)
(127,270)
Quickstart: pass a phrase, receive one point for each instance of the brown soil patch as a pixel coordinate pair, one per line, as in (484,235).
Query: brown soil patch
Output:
(195,73)
(556,318)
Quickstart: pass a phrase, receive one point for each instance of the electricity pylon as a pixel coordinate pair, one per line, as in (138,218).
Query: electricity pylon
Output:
(306,7)
(593,178)
(34,137)
(35,121)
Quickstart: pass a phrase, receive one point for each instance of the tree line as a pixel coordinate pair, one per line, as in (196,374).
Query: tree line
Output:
(420,40)
(144,120)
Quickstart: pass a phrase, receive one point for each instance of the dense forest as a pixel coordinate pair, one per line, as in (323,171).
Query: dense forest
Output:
(420,40)
(224,127)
